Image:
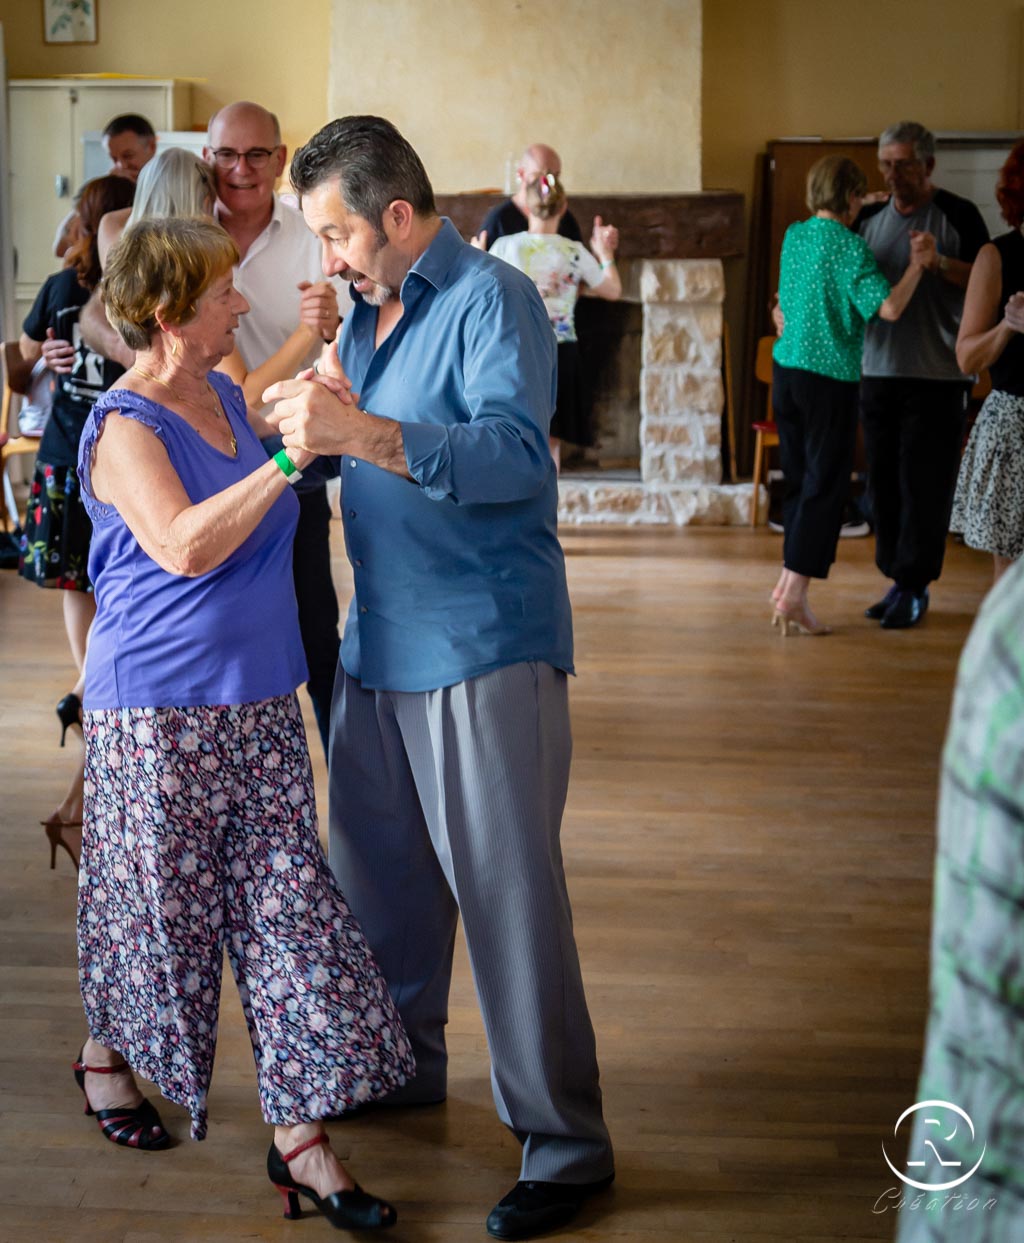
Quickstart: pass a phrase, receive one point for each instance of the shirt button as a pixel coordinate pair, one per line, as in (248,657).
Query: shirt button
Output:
(363,608)
(359,563)
(351,513)
(352,462)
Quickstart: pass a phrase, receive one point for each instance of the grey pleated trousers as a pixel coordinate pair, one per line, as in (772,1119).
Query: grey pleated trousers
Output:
(451,801)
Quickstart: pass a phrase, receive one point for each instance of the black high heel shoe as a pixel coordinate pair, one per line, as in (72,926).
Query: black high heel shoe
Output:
(136,1126)
(69,712)
(345,1210)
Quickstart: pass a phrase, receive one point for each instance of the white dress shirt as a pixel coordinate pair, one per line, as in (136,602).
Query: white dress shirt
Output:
(284,254)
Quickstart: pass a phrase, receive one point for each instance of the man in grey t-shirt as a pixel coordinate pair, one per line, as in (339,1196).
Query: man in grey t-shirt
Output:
(913,394)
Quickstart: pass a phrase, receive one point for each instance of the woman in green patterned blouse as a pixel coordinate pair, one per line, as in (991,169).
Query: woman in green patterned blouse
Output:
(829,287)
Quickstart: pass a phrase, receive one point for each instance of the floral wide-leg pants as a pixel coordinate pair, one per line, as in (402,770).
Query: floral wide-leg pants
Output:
(201,834)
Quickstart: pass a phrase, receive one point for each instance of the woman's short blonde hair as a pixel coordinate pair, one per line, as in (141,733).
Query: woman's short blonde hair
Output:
(832,181)
(162,268)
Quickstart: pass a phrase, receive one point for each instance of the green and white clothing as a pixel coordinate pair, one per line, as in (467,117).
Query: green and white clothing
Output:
(974,1051)
(556,266)
(829,287)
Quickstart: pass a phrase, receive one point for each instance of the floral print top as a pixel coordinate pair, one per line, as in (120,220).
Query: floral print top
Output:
(556,266)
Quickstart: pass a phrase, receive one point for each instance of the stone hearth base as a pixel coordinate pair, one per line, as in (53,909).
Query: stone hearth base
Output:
(681,403)
(594,501)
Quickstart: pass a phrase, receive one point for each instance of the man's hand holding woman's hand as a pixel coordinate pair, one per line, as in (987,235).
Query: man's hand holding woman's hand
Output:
(314,410)
(923,251)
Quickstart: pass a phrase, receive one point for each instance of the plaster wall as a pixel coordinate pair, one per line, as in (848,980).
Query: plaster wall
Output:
(615,88)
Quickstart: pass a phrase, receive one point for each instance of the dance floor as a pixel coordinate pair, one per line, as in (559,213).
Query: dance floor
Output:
(748,842)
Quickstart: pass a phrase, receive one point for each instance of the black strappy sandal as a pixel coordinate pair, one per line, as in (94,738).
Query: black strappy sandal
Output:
(131,1127)
(345,1210)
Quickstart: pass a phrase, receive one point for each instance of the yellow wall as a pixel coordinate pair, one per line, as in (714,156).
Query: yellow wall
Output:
(614,87)
(265,50)
(775,68)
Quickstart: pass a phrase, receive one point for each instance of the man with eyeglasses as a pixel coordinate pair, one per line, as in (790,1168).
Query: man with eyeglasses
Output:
(913,394)
(280,277)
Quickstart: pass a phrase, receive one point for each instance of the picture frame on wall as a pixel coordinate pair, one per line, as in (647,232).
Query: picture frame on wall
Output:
(69,21)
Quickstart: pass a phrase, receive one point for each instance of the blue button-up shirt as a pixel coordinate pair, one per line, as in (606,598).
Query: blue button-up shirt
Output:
(459,572)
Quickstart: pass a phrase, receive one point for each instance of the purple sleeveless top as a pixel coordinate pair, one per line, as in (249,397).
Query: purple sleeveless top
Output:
(163,640)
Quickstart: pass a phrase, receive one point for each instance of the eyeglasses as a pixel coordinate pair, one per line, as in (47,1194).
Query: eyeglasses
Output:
(897,166)
(255,157)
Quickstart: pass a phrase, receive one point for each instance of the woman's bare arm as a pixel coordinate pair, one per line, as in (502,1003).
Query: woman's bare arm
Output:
(132,472)
(984,332)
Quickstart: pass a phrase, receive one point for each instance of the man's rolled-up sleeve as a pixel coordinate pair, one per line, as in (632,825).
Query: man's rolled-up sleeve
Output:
(500,452)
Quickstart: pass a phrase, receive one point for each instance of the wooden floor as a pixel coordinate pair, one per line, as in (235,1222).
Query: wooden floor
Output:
(749,850)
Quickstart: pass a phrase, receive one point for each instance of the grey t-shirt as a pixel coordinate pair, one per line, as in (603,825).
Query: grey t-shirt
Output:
(921,344)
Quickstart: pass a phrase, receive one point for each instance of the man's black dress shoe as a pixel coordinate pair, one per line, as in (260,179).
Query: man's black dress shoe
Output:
(906,610)
(876,611)
(535,1208)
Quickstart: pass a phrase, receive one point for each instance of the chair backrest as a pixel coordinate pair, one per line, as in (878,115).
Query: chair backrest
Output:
(17,376)
(17,372)
(763,371)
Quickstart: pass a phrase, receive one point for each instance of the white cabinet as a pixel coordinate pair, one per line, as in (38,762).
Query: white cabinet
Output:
(48,117)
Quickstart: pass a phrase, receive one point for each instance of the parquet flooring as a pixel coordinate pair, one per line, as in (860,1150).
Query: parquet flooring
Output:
(749,849)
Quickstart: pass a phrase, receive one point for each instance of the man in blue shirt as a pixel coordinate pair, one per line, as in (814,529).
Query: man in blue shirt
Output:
(451,743)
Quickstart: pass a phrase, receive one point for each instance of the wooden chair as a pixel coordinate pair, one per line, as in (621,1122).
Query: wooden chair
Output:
(766,431)
(17,374)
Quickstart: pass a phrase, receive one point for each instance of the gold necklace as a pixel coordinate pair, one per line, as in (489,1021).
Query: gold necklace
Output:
(148,375)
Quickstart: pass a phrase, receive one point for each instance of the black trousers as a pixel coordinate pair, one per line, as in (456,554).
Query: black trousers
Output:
(317,601)
(817,421)
(913,432)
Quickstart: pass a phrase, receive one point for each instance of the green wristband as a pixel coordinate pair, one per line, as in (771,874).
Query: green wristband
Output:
(289,469)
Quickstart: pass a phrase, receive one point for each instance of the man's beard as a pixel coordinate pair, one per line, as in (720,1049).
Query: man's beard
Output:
(376,295)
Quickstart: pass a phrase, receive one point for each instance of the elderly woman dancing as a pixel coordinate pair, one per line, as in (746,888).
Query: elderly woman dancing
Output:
(829,287)
(200,820)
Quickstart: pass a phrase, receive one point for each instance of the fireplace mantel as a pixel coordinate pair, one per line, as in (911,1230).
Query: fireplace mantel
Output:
(704,225)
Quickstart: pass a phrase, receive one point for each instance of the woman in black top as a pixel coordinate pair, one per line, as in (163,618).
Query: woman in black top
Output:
(988,509)
(55,545)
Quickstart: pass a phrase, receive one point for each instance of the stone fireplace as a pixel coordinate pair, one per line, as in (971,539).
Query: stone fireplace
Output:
(671,247)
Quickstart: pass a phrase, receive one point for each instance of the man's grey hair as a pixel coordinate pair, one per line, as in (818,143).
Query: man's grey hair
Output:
(912,132)
(374,165)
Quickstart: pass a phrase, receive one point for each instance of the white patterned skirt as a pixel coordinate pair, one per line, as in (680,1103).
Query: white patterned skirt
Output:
(988,509)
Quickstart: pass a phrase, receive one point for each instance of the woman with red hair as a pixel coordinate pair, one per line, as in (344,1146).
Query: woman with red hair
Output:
(988,509)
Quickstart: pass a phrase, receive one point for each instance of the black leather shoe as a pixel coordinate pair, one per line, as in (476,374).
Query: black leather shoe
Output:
(905,611)
(532,1208)
(876,611)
